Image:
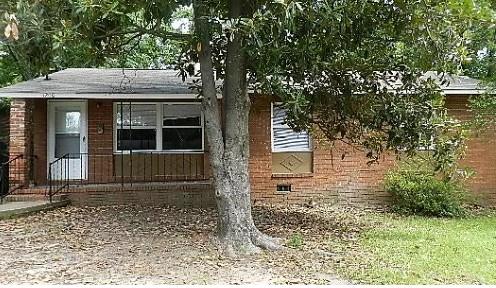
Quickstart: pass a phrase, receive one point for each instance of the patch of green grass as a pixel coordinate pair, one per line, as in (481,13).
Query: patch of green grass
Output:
(418,250)
(295,241)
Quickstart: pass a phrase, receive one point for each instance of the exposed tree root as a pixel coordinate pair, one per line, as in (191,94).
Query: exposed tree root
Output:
(253,243)
(265,241)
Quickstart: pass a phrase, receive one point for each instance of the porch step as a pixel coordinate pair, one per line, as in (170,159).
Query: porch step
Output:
(13,209)
(28,195)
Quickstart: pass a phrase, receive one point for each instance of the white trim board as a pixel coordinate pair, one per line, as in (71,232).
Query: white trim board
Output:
(192,96)
(103,96)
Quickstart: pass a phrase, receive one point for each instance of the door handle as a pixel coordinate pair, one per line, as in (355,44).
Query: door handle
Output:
(84,139)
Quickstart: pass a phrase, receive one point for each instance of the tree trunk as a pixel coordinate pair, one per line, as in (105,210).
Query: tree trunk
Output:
(229,147)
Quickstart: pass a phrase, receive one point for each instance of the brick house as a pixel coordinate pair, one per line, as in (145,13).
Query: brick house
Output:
(110,136)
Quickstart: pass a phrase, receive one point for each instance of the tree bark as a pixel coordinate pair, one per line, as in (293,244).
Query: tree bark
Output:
(229,148)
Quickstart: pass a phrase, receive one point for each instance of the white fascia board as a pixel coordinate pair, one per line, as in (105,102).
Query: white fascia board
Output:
(466,92)
(101,96)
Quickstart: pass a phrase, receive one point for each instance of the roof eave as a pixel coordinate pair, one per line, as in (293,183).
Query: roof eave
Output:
(100,96)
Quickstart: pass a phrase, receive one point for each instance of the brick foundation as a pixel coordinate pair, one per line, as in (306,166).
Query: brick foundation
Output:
(193,195)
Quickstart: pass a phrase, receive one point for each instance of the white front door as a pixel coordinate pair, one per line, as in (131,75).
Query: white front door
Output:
(67,139)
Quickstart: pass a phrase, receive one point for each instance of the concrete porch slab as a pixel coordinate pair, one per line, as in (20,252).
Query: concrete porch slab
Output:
(19,208)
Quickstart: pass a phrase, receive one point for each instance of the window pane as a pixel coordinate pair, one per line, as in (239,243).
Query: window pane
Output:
(182,139)
(284,137)
(67,144)
(137,139)
(67,120)
(142,115)
(182,115)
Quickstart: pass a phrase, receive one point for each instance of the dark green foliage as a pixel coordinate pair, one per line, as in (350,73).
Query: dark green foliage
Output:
(61,34)
(354,67)
(4,105)
(417,189)
(339,56)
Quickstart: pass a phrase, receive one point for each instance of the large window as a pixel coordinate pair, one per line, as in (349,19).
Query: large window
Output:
(284,138)
(158,127)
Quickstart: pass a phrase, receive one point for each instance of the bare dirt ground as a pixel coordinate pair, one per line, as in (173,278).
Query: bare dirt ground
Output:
(152,245)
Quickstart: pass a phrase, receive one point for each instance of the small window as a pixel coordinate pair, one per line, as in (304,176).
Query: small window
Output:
(283,188)
(67,132)
(182,127)
(284,138)
(136,127)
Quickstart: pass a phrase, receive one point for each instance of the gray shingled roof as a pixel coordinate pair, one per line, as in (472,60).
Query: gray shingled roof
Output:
(95,83)
(458,83)
(91,83)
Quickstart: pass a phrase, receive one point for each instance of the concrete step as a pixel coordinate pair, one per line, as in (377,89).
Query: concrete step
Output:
(14,209)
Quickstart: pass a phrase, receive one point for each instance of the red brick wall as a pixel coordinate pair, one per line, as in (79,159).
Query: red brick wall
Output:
(100,137)
(347,181)
(351,180)
(480,154)
(20,138)
(40,141)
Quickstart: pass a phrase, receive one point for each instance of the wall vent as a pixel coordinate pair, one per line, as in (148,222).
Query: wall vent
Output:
(283,188)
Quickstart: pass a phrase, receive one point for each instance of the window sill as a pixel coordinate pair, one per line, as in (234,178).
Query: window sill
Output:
(292,175)
(282,193)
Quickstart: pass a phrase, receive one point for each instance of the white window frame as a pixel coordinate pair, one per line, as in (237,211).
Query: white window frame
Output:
(308,149)
(158,127)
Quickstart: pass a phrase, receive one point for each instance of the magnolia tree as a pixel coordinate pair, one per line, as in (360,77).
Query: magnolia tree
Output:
(351,70)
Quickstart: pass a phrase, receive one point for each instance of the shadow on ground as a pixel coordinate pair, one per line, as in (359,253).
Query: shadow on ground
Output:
(153,245)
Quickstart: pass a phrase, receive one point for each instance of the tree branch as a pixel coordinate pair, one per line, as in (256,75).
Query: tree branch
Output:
(144,31)
(26,71)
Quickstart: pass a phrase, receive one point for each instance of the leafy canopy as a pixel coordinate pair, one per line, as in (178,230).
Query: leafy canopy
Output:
(351,70)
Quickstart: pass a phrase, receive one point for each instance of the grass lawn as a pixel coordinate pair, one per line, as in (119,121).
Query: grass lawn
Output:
(417,250)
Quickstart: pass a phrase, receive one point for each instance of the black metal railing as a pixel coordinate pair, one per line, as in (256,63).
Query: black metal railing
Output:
(125,168)
(12,176)
(156,167)
(58,176)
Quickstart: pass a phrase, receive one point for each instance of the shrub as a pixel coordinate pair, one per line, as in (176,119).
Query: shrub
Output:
(417,189)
